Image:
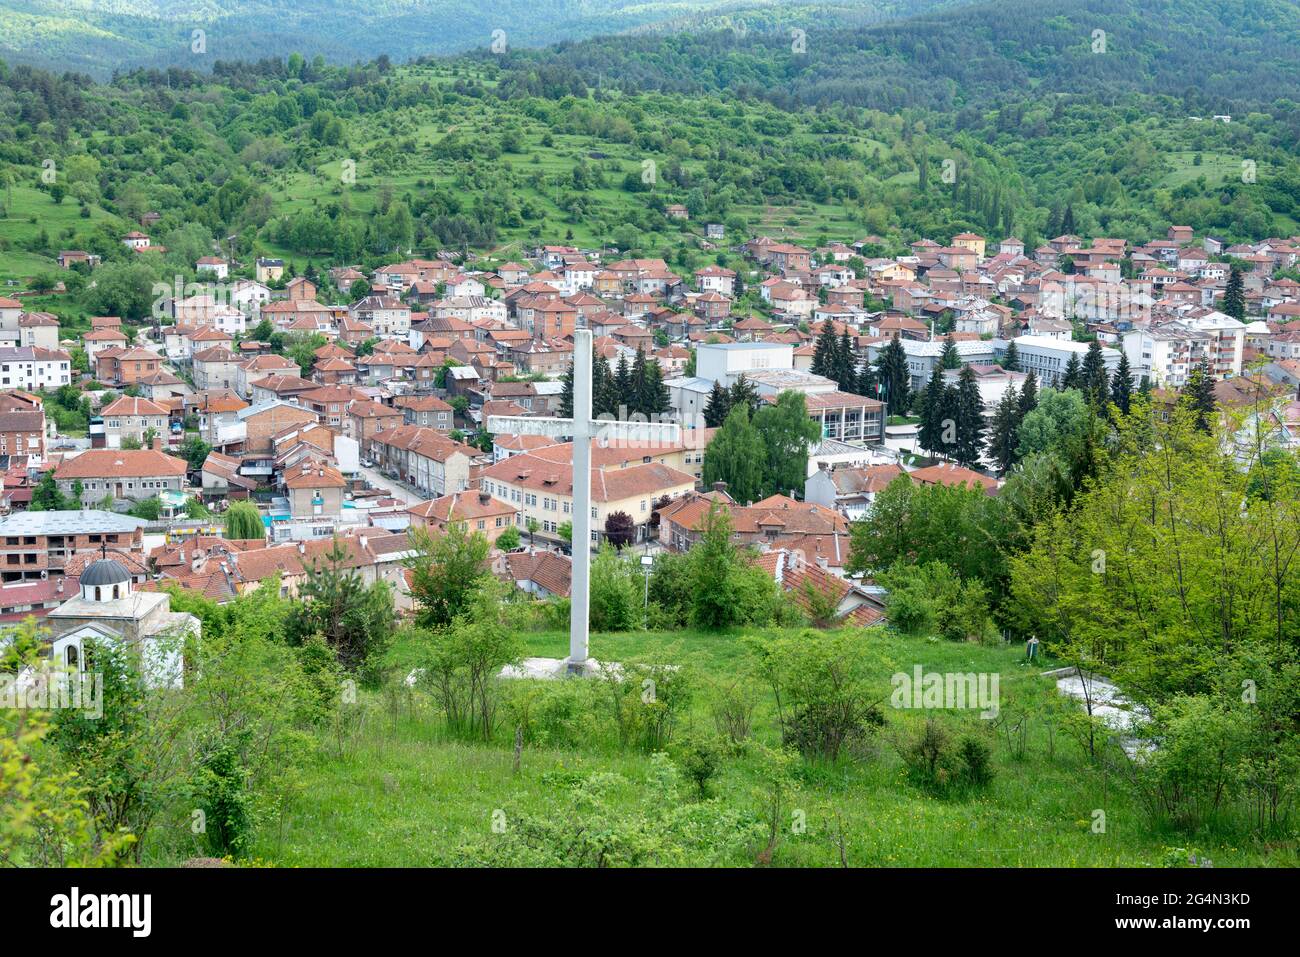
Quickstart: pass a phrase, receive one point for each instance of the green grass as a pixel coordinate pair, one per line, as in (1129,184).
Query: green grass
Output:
(31,212)
(396,791)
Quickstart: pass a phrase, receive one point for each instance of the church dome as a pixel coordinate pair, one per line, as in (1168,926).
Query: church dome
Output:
(105,571)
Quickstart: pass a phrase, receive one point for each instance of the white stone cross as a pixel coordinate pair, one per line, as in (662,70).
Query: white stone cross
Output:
(582,428)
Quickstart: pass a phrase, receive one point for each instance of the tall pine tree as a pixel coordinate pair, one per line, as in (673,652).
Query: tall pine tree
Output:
(1004,433)
(930,407)
(744,392)
(1073,375)
(1234,296)
(846,363)
(1121,385)
(949,359)
(825,352)
(1028,395)
(970,419)
(895,380)
(1011,358)
(719,404)
(1198,395)
(1096,381)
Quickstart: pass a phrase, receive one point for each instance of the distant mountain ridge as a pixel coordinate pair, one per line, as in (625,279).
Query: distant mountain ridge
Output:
(102,36)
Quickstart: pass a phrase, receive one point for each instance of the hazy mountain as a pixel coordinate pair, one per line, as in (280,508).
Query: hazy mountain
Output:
(100,36)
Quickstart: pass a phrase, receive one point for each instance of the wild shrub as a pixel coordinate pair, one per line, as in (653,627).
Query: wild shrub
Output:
(821,683)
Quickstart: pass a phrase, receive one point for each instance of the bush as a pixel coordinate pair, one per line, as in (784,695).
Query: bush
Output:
(616,593)
(646,701)
(557,714)
(927,755)
(605,820)
(1186,770)
(222,793)
(821,681)
(732,706)
(976,761)
(931,598)
(670,588)
(938,763)
(699,758)
(461,662)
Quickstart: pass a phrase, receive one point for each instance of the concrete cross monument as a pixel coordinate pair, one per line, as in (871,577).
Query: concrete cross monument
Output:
(582,428)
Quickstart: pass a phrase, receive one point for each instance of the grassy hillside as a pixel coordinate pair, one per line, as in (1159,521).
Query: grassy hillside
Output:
(460,154)
(391,789)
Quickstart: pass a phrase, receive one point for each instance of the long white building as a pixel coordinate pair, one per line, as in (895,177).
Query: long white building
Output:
(1047,358)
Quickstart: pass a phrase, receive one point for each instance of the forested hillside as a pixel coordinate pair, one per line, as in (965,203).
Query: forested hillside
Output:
(1217,55)
(330,164)
(100,37)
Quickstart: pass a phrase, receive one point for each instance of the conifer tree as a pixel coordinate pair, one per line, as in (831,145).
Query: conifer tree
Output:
(1234,296)
(1121,385)
(719,404)
(931,402)
(970,419)
(845,363)
(1198,395)
(639,397)
(1073,376)
(868,384)
(891,367)
(949,359)
(1028,395)
(744,392)
(605,395)
(623,380)
(657,398)
(824,353)
(1004,434)
(1096,381)
(566,395)
(1011,358)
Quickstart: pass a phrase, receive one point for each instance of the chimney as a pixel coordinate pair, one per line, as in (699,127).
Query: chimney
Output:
(302,548)
(157,443)
(199,561)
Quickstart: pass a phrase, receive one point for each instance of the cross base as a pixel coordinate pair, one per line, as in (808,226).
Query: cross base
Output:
(581,669)
(554,668)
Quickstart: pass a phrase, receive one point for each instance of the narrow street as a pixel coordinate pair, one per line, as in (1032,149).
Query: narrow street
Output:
(396,489)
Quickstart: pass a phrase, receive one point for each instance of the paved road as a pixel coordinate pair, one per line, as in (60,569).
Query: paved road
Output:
(397,490)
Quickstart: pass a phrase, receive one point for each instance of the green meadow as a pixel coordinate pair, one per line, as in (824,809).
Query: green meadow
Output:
(393,789)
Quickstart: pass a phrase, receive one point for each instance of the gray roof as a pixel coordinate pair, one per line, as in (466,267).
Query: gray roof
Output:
(690,383)
(86,521)
(105,571)
(743,346)
(248,410)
